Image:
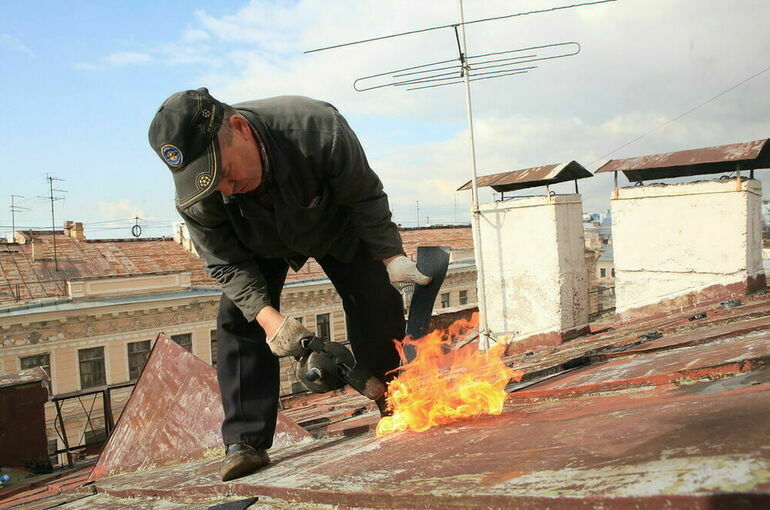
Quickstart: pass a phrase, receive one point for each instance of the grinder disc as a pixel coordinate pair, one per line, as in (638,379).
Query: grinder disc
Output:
(318,372)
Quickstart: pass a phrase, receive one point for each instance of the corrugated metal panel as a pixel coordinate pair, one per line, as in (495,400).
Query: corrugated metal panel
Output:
(174,413)
(531,177)
(706,160)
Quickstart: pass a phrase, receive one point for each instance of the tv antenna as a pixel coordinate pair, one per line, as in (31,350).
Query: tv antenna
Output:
(136,230)
(53,198)
(14,209)
(465,69)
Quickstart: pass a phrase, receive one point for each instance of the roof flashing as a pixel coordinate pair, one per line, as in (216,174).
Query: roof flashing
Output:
(531,177)
(703,161)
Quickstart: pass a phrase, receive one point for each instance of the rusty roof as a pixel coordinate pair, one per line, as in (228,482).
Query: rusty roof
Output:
(23,279)
(706,160)
(531,177)
(22,377)
(174,413)
(622,418)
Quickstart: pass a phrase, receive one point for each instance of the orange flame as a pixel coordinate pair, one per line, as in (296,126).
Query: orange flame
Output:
(441,385)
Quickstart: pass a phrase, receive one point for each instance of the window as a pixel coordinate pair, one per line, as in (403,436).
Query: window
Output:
(603,272)
(613,272)
(444,299)
(92,371)
(323,326)
(138,352)
(38,360)
(184,341)
(213,335)
(463,297)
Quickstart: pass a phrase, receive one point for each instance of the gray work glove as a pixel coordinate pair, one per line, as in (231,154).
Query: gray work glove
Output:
(402,269)
(287,340)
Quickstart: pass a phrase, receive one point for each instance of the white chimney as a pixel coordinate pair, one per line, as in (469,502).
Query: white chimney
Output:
(681,245)
(534,269)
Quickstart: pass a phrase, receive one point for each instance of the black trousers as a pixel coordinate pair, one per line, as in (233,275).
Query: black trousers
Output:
(248,372)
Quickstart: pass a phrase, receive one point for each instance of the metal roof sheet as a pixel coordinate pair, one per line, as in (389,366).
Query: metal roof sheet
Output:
(706,160)
(22,377)
(628,420)
(174,413)
(531,177)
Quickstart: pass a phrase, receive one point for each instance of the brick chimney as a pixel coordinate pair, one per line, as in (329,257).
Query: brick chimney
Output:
(74,229)
(182,236)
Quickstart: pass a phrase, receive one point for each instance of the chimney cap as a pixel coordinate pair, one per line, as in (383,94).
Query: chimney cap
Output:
(716,159)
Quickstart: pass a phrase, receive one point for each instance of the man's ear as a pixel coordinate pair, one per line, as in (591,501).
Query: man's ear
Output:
(239,124)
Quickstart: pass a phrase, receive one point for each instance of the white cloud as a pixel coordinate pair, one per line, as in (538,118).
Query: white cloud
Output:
(641,65)
(16,45)
(120,209)
(191,35)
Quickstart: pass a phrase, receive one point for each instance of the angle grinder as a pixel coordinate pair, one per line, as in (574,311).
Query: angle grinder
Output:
(327,366)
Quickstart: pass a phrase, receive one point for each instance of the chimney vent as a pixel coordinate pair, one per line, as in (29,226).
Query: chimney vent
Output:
(74,230)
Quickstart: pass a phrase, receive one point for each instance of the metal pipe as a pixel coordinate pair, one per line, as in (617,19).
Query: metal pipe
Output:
(63,432)
(53,226)
(485,339)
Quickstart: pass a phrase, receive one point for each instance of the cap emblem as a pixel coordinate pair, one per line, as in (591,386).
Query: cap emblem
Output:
(171,155)
(203,180)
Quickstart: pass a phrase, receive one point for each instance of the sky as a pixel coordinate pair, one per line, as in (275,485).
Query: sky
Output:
(82,80)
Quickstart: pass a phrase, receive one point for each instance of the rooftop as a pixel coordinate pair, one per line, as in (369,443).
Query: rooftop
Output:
(669,412)
(25,277)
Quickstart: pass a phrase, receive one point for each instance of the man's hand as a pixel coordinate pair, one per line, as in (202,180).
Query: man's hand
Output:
(286,338)
(401,269)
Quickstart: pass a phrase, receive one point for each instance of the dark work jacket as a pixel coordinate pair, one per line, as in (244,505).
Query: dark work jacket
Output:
(326,200)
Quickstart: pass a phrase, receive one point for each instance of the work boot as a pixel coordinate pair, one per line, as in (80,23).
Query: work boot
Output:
(242,459)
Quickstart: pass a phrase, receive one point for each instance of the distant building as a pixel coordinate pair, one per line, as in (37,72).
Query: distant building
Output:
(766,219)
(600,263)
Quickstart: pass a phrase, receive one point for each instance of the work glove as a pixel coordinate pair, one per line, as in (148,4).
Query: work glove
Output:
(287,340)
(402,269)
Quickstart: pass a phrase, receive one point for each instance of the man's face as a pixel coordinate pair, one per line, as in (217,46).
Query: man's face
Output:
(240,158)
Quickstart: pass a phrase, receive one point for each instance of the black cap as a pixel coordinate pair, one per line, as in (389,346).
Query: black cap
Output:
(184,135)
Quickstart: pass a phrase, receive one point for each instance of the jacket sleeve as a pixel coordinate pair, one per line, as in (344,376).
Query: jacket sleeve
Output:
(358,190)
(226,260)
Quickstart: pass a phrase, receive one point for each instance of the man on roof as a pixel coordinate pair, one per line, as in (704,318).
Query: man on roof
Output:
(262,186)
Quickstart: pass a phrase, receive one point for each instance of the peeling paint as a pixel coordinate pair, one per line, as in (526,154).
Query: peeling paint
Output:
(666,476)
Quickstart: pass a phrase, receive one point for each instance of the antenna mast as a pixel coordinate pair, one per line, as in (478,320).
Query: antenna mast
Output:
(53,199)
(485,336)
(14,209)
